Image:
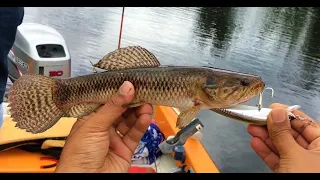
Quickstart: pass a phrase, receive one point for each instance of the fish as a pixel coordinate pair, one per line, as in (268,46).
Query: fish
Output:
(37,102)
(250,114)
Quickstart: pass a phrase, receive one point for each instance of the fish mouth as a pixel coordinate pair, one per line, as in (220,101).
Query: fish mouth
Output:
(258,88)
(259,85)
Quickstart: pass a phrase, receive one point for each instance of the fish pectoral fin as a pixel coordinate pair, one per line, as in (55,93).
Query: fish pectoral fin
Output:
(80,110)
(128,57)
(186,116)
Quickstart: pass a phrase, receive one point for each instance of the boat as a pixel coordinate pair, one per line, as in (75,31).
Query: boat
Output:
(22,152)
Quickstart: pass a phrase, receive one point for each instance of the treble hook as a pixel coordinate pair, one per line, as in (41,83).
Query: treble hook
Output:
(260,97)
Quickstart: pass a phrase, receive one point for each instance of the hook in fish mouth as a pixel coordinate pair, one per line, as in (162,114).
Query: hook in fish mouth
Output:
(260,97)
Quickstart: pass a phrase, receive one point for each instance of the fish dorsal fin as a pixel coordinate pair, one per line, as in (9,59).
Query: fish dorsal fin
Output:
(128,57)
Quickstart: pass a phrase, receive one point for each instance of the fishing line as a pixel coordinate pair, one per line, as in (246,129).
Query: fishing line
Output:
(120,34)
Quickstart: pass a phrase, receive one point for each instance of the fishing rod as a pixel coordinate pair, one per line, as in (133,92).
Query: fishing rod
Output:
(121,27)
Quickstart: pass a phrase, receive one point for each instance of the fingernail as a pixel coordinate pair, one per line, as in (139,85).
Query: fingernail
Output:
(125,88)
(278,115)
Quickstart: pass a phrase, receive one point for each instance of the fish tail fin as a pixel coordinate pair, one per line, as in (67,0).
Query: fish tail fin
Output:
(33,103)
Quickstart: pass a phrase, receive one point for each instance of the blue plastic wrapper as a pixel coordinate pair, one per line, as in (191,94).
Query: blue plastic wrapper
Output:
(148,148)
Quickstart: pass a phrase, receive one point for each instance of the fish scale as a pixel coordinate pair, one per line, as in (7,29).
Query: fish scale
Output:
(165,85)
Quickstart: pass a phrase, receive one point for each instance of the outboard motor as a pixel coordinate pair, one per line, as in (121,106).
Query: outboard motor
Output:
(39,49)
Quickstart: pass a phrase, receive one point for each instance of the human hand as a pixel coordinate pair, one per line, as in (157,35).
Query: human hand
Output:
(93,144)
(287,146)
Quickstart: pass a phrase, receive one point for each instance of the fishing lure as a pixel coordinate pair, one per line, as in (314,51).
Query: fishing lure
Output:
(250,115)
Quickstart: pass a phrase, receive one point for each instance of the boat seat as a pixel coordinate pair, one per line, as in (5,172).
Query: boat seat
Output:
(11,136)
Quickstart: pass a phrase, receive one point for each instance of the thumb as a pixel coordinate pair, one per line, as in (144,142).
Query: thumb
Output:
(279,128)
(108,113)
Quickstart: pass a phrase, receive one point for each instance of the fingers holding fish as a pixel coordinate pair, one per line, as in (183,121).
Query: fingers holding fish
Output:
(132,138)
(123,117)
(129,129)
(144,109)
(125,122)
(124,144)
(129,111)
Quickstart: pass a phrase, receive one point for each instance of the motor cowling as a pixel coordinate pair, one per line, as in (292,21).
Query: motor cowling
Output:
(39,49)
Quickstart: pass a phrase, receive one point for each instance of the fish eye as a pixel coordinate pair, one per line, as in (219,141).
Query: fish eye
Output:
(210,83)
(245,82)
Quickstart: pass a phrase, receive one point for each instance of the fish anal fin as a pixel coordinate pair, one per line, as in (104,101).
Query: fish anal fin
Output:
(186,116)
(128,57)
(80,110)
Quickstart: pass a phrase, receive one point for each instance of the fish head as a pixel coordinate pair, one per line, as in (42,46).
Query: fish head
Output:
(224,88)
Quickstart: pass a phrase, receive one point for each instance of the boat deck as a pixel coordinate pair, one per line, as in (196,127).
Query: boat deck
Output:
(16,160)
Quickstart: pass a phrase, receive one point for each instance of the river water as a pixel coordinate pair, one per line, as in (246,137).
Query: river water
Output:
(279,44)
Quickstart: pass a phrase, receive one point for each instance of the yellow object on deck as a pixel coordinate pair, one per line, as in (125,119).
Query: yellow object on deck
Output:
(17,160)
(9,133)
